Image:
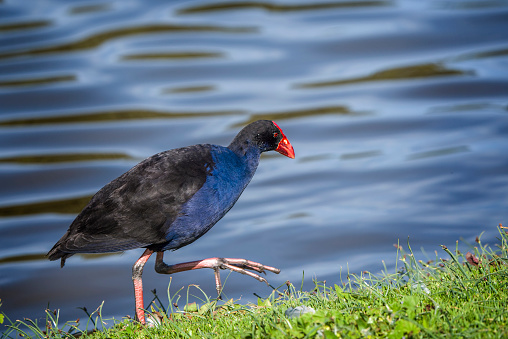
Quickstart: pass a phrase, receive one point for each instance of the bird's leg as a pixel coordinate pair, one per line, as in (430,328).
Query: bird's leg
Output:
(236,265)
(137,272)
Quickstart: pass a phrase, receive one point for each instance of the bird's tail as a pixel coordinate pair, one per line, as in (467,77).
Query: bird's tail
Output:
(56,253)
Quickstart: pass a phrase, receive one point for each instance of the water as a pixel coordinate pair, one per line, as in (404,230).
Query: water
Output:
(397,111)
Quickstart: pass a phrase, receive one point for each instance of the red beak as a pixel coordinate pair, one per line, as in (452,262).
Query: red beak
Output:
(284,147)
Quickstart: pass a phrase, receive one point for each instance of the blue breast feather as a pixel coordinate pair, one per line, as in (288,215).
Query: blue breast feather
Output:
(226,182)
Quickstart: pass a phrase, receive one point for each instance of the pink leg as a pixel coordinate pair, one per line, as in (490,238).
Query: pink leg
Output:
(137,272)
(236,265)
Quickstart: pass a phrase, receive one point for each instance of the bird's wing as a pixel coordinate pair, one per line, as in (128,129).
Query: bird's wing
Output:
(137,208)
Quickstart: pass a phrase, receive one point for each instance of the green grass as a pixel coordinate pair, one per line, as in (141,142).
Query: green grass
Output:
(462,296)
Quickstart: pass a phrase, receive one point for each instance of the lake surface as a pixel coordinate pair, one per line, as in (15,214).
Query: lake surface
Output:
(397,111)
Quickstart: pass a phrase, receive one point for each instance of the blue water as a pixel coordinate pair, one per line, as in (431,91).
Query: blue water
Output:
(397,111)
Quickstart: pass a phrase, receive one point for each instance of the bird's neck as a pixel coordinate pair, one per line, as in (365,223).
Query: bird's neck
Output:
(247,152)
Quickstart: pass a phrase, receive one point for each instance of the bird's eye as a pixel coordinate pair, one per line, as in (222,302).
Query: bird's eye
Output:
(275,135)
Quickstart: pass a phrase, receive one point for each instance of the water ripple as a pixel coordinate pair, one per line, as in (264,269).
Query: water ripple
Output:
(317,111)
(37,81)
(398,73)
(98,39)
(16,26)
(64,206)
(62,158)
(109,116)
(274,7)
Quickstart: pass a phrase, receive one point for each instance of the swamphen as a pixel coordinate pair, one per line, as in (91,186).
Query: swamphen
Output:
(169,200)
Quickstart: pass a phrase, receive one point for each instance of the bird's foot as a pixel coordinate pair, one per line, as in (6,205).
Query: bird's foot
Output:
(236,265)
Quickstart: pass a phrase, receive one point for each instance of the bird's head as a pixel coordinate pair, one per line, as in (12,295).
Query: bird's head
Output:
(266,135)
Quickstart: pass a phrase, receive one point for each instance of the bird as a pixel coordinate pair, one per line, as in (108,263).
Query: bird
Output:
(171,199)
